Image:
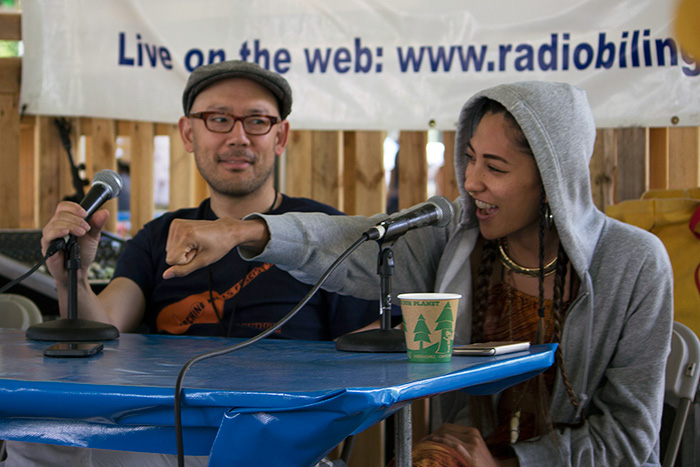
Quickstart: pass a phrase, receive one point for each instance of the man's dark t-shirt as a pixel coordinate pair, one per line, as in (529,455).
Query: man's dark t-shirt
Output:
(249,297)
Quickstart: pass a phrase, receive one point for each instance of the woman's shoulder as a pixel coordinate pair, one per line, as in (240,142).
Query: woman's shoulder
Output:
(624,242)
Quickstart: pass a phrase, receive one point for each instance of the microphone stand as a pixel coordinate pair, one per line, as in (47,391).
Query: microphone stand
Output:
(384,339)
(71,328)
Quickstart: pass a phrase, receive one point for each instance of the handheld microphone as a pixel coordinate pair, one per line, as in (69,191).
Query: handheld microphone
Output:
(106,184)
(436,211)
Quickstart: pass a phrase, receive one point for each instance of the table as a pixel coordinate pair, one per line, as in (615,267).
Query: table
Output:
(273,403)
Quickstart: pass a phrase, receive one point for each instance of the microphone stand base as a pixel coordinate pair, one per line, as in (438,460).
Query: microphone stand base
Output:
(72,330)
(373,340)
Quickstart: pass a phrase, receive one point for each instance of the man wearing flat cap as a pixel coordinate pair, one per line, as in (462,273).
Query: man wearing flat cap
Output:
(235,124)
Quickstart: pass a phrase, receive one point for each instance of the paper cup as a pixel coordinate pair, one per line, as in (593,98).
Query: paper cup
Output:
(429,324)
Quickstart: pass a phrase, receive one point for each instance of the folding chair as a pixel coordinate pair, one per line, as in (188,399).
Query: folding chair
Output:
(18,312)
(682,374)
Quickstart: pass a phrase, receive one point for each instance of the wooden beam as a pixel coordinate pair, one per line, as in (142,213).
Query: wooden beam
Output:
(48,146)
(10,74)
(86,127)
(413,168)
(142,173)
(313,166)
(164,129)
(29,179)
(369,447)
(123,127)
(10,26)
(658,158)
(363,173)
(103,155)
(9,161)
(327,164)
(66,184)
(298,164)
(182,173)
(447,182)
(27,122)
(602,168)
(632,155)
(684,157)
(201,188)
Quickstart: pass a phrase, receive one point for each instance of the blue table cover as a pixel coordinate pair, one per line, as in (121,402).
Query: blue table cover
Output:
(274,403)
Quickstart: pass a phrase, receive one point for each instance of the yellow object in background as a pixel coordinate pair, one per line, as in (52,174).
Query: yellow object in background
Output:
(674,217)
(688,27)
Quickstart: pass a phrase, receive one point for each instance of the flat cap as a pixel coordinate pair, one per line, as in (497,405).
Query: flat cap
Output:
(206,75)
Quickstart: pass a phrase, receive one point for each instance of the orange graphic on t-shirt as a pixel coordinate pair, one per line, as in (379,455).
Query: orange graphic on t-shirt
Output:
(177,317)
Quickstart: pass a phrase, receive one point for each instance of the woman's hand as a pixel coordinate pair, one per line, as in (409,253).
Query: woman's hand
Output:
(468,443)
(193,244)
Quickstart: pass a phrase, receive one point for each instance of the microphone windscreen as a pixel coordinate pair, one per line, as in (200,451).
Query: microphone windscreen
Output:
(111,179)
(445,208)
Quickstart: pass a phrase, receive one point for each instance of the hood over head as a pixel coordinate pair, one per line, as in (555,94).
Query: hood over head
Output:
(558,124)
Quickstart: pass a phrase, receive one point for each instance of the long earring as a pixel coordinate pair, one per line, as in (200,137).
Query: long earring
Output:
(549,217)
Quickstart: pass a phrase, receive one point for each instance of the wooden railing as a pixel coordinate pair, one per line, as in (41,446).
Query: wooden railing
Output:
(341,168)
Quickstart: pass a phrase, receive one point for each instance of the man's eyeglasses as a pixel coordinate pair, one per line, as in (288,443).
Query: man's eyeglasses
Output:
(220,122)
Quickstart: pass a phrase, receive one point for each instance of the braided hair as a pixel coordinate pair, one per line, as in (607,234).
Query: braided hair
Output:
(489,254)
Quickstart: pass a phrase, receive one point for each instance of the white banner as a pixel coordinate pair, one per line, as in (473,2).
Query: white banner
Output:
(358,64)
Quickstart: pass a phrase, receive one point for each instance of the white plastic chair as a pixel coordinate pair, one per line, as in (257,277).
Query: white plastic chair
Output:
(18,312)
(682,375)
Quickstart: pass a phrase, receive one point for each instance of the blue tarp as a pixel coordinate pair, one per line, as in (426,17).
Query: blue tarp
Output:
(273,403)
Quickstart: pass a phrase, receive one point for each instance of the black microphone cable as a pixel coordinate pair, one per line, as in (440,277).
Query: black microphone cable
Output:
(246,343)
(19,279)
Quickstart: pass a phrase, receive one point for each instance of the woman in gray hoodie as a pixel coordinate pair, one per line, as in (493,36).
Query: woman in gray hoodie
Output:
(534,260)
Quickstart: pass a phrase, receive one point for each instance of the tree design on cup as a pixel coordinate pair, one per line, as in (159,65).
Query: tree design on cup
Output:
(445,324)
(429,321)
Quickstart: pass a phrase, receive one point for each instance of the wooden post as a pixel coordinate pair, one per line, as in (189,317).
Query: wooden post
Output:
(364,193)
(632,154)
(103,155)
(326,181)
(658,158)
(142,205)
(48,146)
(10,26)
(363,174)
(313,166)
(413,168)
(9,160)
(602,167)
(9,142)
(684,157)
(447,183)
(298,164)
(182,173)
(29,175)
(201,189)
(369,447)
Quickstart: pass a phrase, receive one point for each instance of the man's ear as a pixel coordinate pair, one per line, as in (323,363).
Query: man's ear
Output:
(185,127)
(282,137)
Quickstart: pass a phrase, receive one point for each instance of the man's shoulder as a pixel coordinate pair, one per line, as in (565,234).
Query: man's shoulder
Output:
(161,224)
(167,217)
(294,204)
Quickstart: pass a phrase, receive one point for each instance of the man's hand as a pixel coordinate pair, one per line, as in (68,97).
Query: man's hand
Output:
(69,218)
(193,244)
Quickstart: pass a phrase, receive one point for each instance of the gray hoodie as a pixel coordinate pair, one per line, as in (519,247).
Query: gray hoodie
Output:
(616,334)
